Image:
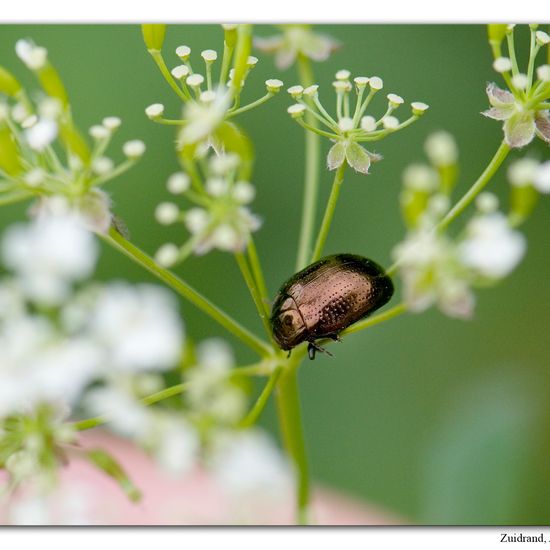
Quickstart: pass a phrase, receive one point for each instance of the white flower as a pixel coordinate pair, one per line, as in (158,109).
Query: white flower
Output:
(441,149)
(183,52)
(419,108)
(432,274)
(203,118)
(138,325)
(127,416)
(197,220)
(492,248)
(195,80)
(111,122)
(368,123)
(98,131)
(134,149)
(543,73)
(244,192)
(421,178)
(181,71)
(541,179)
(390,122)
(174,442)
(41,134)
(37,365)
(502,64)
(167,213)
(274,85)
(209,56)
(48,255)
(395,100)
(167,255)
(178,183)
(102,166)
(34,57)
(154,111)
(376,83)
(251,465)
(522,172)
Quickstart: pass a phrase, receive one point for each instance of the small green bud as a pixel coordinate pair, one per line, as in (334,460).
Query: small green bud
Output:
(153,36)
(74,141)
(52,84)
(8,83)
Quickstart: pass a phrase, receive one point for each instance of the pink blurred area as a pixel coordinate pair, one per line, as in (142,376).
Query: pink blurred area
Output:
(193,499)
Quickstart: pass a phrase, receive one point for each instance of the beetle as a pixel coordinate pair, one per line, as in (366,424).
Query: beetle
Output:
(326,297)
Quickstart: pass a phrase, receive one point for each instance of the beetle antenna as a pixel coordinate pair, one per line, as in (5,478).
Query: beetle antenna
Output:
(313,347)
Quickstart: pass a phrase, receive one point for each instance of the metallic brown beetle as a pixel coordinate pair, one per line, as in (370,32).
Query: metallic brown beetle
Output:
(326,297)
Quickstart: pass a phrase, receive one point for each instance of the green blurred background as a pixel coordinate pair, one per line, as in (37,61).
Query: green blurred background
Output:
(436,420)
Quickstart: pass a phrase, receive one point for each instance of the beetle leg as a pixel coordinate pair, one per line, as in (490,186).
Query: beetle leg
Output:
(313,347)
(289,352)
(335,337)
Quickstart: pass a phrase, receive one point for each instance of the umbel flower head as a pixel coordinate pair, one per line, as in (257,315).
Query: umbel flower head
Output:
(210,100)
(523,107)
(351,125)
(220,218)
(30,166)
(294,41)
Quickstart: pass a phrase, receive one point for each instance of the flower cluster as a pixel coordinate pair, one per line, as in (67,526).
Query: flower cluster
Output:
(209,102)
(524,105)
(220,218)
(435,268)
(351,126)
(30,167)
(60,334)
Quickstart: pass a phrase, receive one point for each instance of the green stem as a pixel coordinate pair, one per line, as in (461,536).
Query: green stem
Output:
(118,242)
(159,60)
(258,274)
(329,212)
(311,174)
(477,187)
(89,423)
(252,417)
(250,106)
(226,62)
(395,311)
(288,406)
(254,291)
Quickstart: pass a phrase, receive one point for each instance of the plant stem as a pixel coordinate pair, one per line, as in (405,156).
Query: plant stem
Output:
(399,309)
(262,400)
(159,60)
(258,274)
(118,242)
(149,400)
(329,212)
(311,174)
(288,406)
(477,187)
(254,291)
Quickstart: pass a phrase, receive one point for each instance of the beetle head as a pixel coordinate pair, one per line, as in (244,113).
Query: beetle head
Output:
(288,324)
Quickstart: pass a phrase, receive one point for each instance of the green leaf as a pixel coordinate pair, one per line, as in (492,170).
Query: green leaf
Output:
(10,161)
(9,85)
(336,155)
(358,158)
(153,36)
(109,465)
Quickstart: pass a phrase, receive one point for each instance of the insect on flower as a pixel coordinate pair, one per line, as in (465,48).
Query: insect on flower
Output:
(326,297)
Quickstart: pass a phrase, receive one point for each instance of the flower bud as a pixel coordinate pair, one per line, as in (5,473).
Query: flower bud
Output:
(99,131)
(167,255)
(296,110)
(167,213)
(419,108)
(390,123)
(178,183)
(520,81)
(195,80)
(368,123)
(542,38)
(209,56)
(496,33)
(179,72)
(183,52)
(343,74)
(274,85)
(376,83)
(311,91)
(441,149)
(542,178)
(361,81)
(296,91)
(502,64)
(155,111)
(543,73)
(134,149)
(111,123)
(487,203)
